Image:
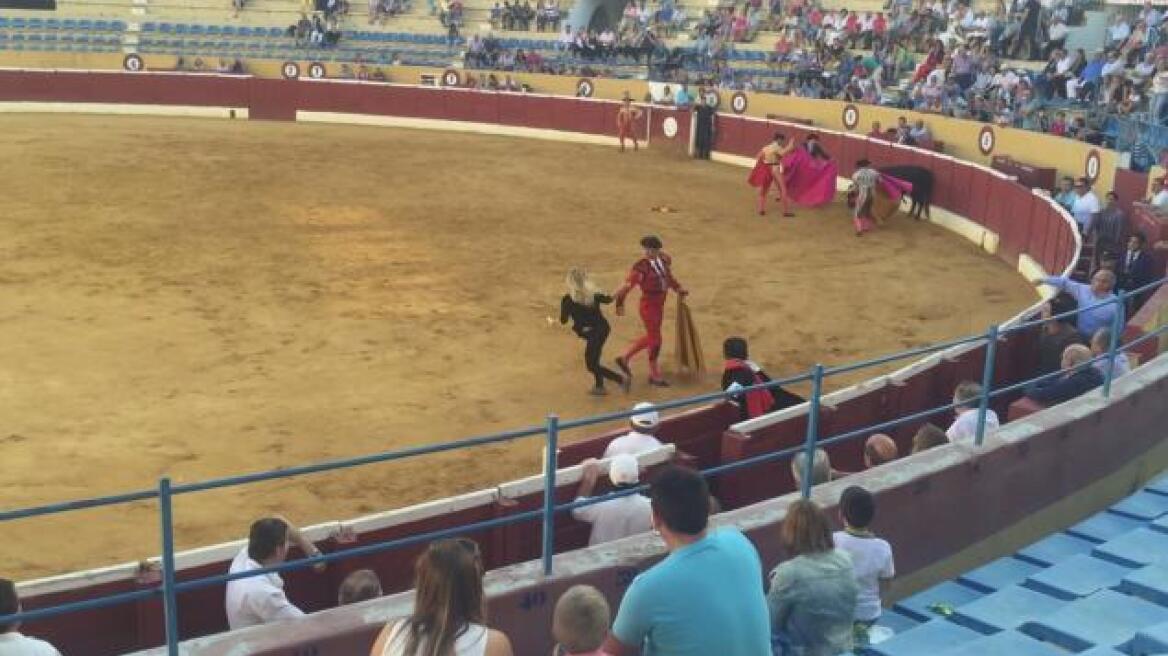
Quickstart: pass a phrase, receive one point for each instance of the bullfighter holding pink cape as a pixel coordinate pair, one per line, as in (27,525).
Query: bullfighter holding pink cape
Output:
(804,174)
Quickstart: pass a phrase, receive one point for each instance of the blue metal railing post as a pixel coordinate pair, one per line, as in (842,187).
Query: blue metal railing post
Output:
(812,430)
(987,382)
(170,605)
(549,493)
(1117,322)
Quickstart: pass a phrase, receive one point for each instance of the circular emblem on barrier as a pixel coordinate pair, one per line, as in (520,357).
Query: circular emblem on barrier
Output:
(316,70)
(851,117)
(585,88)
(669,127)
(986,140)
(133,63)
(450,79)
(1092,165)
(712,99)
(291,70)
(738,102)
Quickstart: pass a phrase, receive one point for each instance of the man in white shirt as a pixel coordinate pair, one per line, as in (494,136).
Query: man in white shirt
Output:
(1085,205)
(640,439)
(261,599)
(12,642)
(1159,197)
(618,518)
(964,428)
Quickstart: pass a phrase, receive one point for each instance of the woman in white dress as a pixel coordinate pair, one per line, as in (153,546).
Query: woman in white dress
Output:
(449,611)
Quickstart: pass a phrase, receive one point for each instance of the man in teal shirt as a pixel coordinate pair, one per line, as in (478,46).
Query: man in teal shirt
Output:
(706,598)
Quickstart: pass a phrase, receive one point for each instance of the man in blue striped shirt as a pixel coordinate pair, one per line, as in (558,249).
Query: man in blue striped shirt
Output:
(1090,320)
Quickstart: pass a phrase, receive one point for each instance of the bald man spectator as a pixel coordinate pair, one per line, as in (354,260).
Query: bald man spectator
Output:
(878,450)
(12,641)
(967,397)
(361,585)
(820,468)
(1077,378)
(927,437)
(1089,318)
(640,438)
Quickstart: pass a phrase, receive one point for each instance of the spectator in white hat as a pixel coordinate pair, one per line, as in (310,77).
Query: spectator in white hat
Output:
(617,518)
(640,439)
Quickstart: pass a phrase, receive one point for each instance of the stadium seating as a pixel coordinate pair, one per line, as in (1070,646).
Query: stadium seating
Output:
(1099,587)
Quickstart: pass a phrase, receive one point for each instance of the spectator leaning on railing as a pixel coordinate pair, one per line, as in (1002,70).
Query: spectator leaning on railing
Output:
(261,599)
(1089,319)
(616,518)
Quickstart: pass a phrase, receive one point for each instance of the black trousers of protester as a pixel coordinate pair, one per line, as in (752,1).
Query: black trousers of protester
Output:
(704,137)
(595,340)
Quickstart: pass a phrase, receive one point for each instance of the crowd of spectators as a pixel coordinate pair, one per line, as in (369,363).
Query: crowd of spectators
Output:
(545,16)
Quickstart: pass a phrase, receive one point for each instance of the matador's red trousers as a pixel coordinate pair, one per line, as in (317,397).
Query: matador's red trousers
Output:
(652,313)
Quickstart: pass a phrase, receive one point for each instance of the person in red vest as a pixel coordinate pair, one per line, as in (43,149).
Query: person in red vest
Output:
(653,274)
(625,128)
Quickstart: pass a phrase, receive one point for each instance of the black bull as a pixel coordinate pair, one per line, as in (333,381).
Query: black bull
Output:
(922,187)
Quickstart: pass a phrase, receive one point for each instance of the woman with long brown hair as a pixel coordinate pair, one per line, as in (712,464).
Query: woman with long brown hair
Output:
(449,611)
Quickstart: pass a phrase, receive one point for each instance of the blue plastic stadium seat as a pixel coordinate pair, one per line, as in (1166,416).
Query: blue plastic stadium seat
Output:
(166,28)
(36,23)
(244,30)
(149,27)
(1008,608)
(1158,485)
(275,32)
(181,28)
(1143,505)
(1055,548)
(1160,525)
(928,639)
(213,30)
(1078,576)
(85,24)
(118,26)
(101,25)
(1104,526)
(18,37)
(948,593)
(19,23)
(1150,641)
(1149,583)
(896,622)
(1105,619)
(52,24)
(998,574)
(1006,643)
(35,37)
(1143,546)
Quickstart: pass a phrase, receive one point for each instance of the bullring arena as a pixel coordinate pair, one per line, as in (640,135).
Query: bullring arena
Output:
(230,297)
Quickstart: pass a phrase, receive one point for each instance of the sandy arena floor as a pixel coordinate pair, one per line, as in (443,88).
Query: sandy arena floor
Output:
(202,298)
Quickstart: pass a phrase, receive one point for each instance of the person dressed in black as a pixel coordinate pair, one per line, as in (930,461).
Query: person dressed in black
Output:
(582,304)
(739,372)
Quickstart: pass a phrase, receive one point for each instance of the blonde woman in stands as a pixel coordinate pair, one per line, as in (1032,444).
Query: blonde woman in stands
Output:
(449,616)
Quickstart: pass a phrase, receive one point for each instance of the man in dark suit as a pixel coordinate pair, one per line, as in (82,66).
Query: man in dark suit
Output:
(1136,269)
(1078,377)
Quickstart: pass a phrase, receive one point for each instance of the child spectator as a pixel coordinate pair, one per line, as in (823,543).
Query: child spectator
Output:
(580,622)
(871,556)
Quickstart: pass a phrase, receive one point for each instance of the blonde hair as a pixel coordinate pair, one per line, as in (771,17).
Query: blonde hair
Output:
(580,287)
(581,619)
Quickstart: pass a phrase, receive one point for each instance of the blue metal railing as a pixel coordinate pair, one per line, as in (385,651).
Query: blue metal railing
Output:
(165,491)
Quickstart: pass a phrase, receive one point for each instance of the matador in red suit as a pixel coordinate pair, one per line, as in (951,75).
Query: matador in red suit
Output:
(653,275)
